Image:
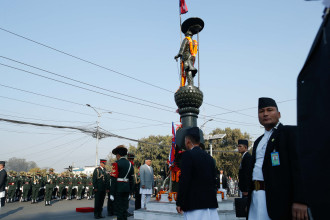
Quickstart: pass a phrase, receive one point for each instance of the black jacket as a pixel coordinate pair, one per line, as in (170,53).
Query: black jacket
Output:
(3,180)
(283,182)
(197,181)
(245,169)
(313,102)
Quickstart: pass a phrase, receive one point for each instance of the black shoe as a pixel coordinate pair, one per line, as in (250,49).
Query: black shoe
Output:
(101,216)
(97,217)
(129,214)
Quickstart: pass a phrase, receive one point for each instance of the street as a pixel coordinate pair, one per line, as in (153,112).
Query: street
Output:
(59,210)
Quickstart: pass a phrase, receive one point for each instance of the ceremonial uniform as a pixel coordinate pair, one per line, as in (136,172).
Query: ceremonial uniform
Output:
(3,180)
(70,180)
(80,185)
(100,186)
(89,187)
(26,187)
(36,184)
(122,186)
(20,185)
(12,187)
(50,182)
(137,191)
(61,186)
(111,206)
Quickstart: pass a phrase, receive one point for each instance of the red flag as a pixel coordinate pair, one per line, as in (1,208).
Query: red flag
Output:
(172,152)
(183,7)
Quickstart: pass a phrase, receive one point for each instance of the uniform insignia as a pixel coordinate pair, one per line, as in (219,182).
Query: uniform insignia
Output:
(273,139)
(114,171)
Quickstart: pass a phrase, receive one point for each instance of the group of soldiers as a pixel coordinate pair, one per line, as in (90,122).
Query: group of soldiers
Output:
(35,187)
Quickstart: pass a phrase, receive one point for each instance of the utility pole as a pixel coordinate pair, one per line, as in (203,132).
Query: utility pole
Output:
(97,134)
(213,137)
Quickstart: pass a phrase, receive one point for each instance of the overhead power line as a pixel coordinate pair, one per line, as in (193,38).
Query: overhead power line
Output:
(87,131)
(75,103)
(90,90)
(86,61)
(84,83)
(72,102)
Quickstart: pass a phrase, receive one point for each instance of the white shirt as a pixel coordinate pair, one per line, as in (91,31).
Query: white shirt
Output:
(260,155)
(244,154)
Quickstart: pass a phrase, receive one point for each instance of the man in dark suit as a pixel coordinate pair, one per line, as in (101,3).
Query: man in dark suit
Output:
(101,186)
(245,167)
(197,185)
(223,180)
(276,177)
(313,97)
(3,180)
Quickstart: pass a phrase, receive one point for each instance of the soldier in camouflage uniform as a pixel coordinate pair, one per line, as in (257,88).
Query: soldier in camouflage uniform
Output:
(12,186)
(50,183)
(36,184)
(122,182)
(26,186)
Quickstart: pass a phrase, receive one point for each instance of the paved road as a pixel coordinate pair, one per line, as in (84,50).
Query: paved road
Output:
(59,210)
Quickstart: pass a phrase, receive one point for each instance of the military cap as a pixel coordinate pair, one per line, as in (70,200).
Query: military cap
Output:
(3,162)
(266,102)
(243,142)
(103,161)
(121,150)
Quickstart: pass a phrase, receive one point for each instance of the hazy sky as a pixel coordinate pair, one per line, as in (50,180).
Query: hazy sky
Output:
(248,49)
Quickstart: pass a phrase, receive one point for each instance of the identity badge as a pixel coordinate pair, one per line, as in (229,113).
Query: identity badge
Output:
(275,159)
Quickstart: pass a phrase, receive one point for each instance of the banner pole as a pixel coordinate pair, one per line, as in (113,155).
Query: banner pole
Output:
(199,73)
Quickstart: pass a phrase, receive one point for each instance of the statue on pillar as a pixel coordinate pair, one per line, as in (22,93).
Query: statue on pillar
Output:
(189,49)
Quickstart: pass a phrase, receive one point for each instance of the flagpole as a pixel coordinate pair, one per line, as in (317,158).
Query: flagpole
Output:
(199,73)
(180,73)
(180,28)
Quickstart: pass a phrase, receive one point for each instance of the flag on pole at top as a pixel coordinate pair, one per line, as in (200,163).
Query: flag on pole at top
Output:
(172,152)
(183,7)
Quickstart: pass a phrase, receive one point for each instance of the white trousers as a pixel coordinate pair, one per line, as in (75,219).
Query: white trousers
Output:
(145,198)
(258,207)
(201,214)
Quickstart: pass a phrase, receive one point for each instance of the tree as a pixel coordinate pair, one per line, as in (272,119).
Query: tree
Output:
(20,164)
(224,150)
(158,154)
